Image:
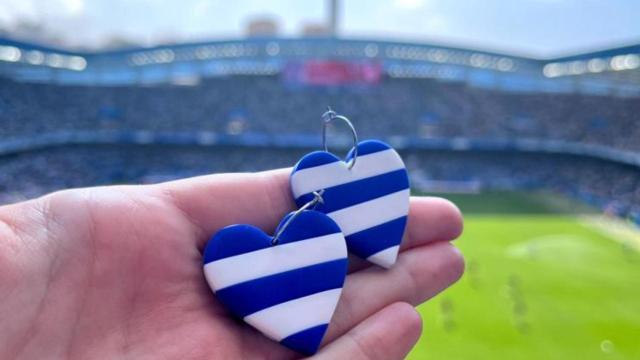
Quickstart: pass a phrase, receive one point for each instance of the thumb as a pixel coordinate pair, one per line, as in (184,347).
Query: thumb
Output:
(388,334)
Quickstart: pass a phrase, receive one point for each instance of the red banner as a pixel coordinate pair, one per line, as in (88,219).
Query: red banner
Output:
(328,73)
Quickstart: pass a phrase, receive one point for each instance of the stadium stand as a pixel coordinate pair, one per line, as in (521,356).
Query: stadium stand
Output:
(402,107)
(568,125)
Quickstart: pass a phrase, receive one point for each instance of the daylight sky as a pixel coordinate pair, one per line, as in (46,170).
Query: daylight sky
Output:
(530,27)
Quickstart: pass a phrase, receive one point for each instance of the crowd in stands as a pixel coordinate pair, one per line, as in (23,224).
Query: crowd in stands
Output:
(606,185)
(266,104)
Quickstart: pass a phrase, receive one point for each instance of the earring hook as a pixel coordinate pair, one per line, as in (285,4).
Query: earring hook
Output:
(328,117)
(317,198)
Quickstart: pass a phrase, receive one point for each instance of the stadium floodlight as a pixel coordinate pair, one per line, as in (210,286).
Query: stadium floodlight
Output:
(54,60)
(164,56)
(139,59)
(618,63)
(632,61)
(441,56)
(577,67)
(204,52)
(553,70)
(34,57)
(272,48)
(371,50)
(77,63)
(596,65)
(479,60)
(505,64)
(10,53)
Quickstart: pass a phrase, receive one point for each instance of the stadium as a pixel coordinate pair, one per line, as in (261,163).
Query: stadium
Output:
(541,154)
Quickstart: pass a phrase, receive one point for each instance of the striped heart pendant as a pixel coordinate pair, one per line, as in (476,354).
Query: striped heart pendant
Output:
(287,291)
(370,201)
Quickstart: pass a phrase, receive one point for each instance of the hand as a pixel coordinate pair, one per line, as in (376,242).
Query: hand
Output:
(116,272)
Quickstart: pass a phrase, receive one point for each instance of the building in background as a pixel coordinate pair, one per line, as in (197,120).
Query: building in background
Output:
(264,26)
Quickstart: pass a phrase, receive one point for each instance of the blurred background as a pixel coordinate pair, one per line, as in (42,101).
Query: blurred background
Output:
(525,113)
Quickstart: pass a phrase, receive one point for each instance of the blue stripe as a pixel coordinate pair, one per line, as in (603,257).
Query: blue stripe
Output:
(239,239)
(369,147)
(316,158)
(234,240)
(386,235)
(306,341)
(307,225)
(251,296)
(353,193)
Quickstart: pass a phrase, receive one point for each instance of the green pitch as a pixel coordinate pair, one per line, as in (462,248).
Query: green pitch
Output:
(542,282)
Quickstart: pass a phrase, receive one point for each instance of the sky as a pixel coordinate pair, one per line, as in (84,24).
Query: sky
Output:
(539,28)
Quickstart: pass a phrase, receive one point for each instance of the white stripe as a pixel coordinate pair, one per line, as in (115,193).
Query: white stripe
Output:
(288,318)
(371,213)
(276,259)
(337,173)
(386,257)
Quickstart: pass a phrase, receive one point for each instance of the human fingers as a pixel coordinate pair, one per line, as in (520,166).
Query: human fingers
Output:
(419,274)
(388,334)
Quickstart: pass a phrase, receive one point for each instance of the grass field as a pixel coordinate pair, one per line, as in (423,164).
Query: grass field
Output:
(543,281)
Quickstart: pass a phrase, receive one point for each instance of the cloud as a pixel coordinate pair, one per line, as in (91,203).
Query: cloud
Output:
(409,4)
(73,7)
(14,11)
(437,23)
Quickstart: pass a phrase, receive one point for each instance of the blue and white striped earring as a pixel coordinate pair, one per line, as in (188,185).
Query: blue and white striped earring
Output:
(367,194)
(286,286)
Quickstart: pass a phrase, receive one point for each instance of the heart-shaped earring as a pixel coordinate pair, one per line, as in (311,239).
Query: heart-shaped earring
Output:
(286,286)
(367,194)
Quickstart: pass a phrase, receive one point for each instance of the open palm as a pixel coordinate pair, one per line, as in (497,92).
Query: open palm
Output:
(116,272)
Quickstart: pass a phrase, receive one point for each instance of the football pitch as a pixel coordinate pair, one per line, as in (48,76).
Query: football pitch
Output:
(546,278)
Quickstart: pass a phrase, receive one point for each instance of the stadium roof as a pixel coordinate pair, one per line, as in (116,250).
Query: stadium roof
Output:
(626,49)
(603,71)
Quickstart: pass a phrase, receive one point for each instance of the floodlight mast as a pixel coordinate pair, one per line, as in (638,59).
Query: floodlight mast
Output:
(333,17)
